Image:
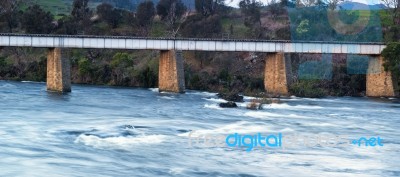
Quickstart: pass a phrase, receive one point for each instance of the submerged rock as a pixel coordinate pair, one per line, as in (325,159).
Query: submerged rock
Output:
(230,104)
(254,106)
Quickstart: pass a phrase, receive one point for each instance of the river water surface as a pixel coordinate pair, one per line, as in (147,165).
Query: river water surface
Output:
(106,131)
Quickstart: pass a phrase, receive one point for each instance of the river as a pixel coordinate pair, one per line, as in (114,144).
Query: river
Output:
(111,131)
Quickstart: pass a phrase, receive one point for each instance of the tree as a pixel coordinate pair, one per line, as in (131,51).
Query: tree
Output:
(252,12)
(35,20)
(332,4)
(121,64)
(109,14)
(81,14)
(394,16)
(391,55)
(198,26)
(394,5)
(303,28)
(67,25)
(104,10)
(208,7)
(145,14)
(171,12)
(9,12)
(124,4)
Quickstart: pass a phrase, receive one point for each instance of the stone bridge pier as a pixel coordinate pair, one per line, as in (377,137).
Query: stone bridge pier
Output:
(58,71)
(277,75)
(379,82)
(171,76)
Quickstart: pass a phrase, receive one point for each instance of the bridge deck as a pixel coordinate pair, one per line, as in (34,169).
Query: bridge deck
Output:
(187,44)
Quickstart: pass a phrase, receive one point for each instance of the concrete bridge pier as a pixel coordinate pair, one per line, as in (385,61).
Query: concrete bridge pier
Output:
(171,76)
(277,74)
(379,82)
(58,71)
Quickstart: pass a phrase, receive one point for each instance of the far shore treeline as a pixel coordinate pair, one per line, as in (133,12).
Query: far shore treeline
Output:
(235,72)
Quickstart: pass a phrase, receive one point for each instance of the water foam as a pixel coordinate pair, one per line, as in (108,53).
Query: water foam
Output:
(208,94)
(154,89)
(296,107)
(7,85)
(217,100)
(237,127)
(213,106)
(167,97)
(266,115)
(119,142)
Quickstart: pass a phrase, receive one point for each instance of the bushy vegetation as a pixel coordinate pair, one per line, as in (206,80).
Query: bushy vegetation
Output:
(308,88)
(391,55)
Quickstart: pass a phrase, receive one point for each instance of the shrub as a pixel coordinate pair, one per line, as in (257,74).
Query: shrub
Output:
(307,88)
(84,67)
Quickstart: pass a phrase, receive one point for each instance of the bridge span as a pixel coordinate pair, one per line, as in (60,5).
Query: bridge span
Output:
(188,44)
(171,74)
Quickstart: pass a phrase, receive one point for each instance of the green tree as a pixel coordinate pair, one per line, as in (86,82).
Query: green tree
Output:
(252,11)
(81,14)
(4,67)
(145,14)
(121,60)
(197,26)
(391,55)
(391,20)
(84,67)
(110,15)
(208,7)
(9,13)
(36,20)
(303,28)
(147,77)
(121,65)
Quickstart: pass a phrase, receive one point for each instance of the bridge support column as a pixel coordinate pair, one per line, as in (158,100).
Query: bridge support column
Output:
(171,74)
(58,71)
(379,82)
(277,74)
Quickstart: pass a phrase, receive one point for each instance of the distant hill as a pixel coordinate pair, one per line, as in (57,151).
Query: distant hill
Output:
(348,5)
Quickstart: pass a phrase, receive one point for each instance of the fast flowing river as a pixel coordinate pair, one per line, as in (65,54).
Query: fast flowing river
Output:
(106,131)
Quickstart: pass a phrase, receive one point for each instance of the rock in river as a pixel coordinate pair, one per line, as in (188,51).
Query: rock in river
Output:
(230,104)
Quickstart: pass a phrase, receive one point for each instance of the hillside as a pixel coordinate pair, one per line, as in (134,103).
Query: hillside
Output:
(58,7)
